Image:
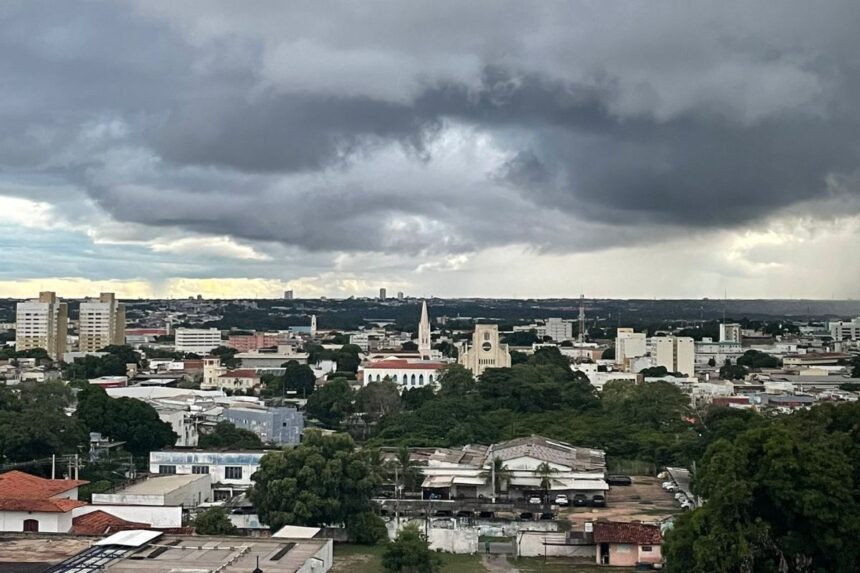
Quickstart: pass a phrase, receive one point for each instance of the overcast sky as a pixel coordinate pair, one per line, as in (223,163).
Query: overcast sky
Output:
(518,149)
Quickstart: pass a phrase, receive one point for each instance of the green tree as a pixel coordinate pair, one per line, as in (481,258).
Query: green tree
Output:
(367,528)
(322,481)
(227,356)
(407,469)
(455,380)
(299,378)
(410,553)
(498,472)
(544,472)
(733,372)
(413,398)
(754,359)
(522,338)
(214,521)
(409,346)
(332,403)
(226,436)
(378,399)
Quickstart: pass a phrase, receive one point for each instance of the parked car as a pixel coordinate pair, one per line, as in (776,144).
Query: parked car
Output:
(561,499)
(619,480)
(535,499)
(598,501)
(580,500)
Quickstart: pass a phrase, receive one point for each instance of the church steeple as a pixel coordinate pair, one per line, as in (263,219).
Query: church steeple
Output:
(424,332)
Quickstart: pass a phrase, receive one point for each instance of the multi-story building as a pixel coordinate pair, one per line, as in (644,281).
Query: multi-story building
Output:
(557,329)
(197,340)
(674,353)
(628,345)
(404,372)
(383,294)
(230,471)
(102,323)
(42,323)
(256,341)
(288,295)
(843,330)
(485,351)
(282,426)
(730,332)
(708,351)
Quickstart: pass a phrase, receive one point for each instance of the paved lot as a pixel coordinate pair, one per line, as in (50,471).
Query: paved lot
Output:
(645,500)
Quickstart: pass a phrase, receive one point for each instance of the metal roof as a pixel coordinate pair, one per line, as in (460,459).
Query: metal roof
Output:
(131,538)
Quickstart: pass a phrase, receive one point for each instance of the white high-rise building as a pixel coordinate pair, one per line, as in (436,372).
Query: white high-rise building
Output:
(557,329)
(485,351)
(628,345)
(42,323)
(424,343)
(843,330)
(674,353)
(730,332)
(197,340)
(102,323)
(383,294)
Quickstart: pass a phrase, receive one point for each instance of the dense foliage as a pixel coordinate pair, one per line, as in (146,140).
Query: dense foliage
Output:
(112,364)
(410,553)
(226,436)
(322,481)
(214,521)
(781,496)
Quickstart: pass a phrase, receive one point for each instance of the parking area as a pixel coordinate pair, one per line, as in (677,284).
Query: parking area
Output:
(643,500)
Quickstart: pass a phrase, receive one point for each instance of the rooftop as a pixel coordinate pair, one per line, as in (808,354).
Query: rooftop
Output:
(161,484)
(638,533)
(102,523)
(405,365)
(25,492)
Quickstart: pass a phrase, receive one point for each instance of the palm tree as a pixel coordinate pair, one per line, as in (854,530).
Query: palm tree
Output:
(376,465)
(408,468)
(544,471)
(498,472)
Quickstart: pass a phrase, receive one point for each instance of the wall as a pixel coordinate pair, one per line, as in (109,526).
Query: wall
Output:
(156,516)
(217,461)
(325,554)
(623,554)
(540,543)
(48,522)
(451,535)
(653,556)
(191,494)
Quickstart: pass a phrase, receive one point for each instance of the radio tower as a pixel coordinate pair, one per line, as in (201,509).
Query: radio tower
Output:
(581,337)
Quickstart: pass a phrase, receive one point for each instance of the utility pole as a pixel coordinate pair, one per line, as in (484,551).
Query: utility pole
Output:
(493,478)
(53,466)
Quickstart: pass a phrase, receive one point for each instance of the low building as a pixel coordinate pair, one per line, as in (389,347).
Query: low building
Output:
(403,372)
(163,490)
(109,381)
(230,471)
(627,544)
(256,341)
(270,360)
(149,551)
(243,379)
(32,504)
(282,426)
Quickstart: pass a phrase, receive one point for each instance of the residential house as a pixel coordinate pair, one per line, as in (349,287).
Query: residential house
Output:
(627,544)
(33,504)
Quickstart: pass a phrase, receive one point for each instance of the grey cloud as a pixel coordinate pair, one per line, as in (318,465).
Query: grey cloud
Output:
(613,123)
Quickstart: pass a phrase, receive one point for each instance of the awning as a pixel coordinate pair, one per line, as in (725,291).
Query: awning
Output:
(464,480)
(437,481)
(591,485)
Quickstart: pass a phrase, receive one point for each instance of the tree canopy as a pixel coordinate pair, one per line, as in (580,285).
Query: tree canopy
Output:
(410,553)
(227,436)
(214,521)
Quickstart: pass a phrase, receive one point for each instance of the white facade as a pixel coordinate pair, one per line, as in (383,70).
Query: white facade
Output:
(405,373)
(845,329)
(167,490)
(230,471)
(48,522)
(557,329)
(102,323)
(197,340)
(708,350)
(42,323)
(485,351)
(730,332)
(628,345)
(424,345)
(675,353)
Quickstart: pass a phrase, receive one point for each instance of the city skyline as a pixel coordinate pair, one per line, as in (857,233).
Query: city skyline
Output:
(632,150)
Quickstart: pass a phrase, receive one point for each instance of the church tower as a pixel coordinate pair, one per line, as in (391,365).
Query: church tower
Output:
(424,332)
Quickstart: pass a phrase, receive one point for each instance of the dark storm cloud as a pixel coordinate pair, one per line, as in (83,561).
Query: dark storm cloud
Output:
(331,128)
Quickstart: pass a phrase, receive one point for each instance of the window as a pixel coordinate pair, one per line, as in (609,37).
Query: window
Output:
(223,494)
(31,525)
(167,470)
(232,472)
(200,469)
(646,549)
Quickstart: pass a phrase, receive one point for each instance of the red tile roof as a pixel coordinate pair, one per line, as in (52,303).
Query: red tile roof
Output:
(101,523)
(241,373)
(404,365)
(20,485)
(629,533)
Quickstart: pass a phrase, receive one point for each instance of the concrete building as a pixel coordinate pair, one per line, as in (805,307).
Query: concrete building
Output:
(627,544)
(707,351)
(256,341)
(32,504)
(165,490)
(485,350)
(102,323)
(42,323)
(230,471)
(197,340)
(628,345)
(557,329)
(288,295)
(675,353)
(282,426)
(404,372)
(383,294)
(845,330)
(270,360)
(730,332)
(240,380)
(424,343)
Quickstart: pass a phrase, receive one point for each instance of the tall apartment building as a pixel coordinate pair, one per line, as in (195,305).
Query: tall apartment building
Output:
(628,345)
(383,294)
(42,323)
(197,340)
(557,329)
(843,330)
(730,332)
(102,323)
(675,353)
(288,295)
